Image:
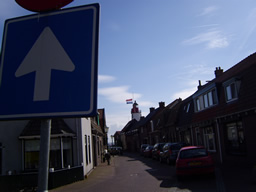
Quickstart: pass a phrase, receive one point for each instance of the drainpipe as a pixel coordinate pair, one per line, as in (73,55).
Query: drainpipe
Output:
(219,142)
(61,152)
(79,138)
(192,138)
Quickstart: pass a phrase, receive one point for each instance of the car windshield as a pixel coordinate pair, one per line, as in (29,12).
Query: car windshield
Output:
(192,153)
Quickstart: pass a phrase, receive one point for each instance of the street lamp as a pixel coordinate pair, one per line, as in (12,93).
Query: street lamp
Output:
(106,129)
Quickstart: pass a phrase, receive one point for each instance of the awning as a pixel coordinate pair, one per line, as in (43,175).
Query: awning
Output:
(58,129)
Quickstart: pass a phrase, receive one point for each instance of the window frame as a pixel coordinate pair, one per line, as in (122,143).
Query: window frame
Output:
(231,92)
(206,100)
(209,132)
(231,89)
(236,143)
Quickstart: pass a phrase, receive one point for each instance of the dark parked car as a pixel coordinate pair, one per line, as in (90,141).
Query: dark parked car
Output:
(142,148)
(116,151)
(158,147)
(148,151)
(170,152)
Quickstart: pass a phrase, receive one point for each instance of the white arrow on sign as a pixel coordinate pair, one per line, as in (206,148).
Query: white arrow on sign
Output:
(45,55)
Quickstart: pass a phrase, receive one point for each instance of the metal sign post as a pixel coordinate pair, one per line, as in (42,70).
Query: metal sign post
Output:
(45,135)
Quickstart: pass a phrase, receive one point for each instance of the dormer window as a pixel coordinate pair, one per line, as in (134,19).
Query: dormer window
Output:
(231,92)
(187,107)
(231,88)
(206,100)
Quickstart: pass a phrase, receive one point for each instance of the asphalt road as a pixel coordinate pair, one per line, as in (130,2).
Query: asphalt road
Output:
(132,173)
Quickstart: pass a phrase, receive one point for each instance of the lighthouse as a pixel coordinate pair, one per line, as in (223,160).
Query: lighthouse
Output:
(135,112)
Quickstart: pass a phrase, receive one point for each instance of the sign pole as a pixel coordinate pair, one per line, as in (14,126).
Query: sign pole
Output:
(45,136)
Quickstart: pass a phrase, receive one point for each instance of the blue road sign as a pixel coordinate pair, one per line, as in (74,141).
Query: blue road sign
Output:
(49,64)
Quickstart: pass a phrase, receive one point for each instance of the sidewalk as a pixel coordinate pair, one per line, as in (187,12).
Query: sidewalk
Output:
(101,174)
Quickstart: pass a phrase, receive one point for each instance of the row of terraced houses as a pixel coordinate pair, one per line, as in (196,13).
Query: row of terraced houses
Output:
(220,115)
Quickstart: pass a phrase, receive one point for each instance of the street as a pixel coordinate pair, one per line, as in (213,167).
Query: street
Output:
(132,172)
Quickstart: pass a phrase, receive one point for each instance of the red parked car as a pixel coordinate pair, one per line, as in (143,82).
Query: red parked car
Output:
(194,160)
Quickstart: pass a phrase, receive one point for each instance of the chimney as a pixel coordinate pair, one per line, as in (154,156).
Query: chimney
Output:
(151,109)
(199,84)
(161,104)
(218,72)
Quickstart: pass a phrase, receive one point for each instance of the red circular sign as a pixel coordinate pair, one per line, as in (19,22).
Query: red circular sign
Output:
(42,5)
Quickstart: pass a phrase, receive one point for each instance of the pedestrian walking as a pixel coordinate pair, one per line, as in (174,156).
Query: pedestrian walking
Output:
(107,156)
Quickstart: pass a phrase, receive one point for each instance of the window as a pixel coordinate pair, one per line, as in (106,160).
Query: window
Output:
(199,140)
(206,100)
(193,153)
(89,148)
(235,138)
(67,152)
(199,103)
(60,153)
(86,150)
(209,139)
(55,154)
(187,137)
(231,92)
(32,148)
(231,88)
(187,107)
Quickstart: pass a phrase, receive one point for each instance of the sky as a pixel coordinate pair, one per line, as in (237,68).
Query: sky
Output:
(155,51)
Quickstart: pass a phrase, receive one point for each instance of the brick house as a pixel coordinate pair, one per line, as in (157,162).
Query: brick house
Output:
(220,115)
(224,113)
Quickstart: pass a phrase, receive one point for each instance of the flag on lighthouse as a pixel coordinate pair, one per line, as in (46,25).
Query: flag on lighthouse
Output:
(129,101)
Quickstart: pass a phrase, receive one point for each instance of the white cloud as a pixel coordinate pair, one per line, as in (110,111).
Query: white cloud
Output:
(118,94)
(106,78)
(116,122)
(189,79)
(146,103)
(212,39)
(208,10)
(192,73)
(184,93)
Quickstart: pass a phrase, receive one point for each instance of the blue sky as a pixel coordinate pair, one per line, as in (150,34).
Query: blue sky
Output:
(157,50)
